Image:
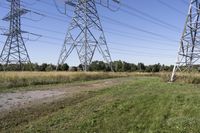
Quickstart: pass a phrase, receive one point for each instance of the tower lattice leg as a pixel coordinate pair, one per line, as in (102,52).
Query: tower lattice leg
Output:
(85,34)
(14,50)
(189,50)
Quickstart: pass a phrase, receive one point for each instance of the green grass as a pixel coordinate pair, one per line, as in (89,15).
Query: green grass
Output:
(143,105)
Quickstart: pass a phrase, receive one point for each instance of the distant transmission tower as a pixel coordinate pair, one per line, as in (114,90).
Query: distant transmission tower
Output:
(85,34)
(189,51)
(14,50)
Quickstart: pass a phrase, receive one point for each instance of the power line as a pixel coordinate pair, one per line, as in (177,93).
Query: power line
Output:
(149,16)
(62,33)
(127,25)
(171,7)
(58,18)
(139,46)
(185,2)
(149,20)
(189,51)
(108,31)
(159,22)
(139,55)
(137,28)
(114,43)
(113,33)
(133,51)
(52,16)
(14,50)
(125,51)
(62,20)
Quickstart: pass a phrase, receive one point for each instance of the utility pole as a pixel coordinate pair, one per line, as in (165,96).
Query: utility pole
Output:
(189,50)
(14,50)
(85,34)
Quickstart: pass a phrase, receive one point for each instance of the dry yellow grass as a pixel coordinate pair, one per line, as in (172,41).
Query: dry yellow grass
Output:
(21,79)
(181,77)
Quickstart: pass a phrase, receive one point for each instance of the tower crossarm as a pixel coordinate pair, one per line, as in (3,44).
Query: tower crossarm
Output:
(16,14)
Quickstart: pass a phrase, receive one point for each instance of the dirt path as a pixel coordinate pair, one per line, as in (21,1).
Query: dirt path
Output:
(9,101)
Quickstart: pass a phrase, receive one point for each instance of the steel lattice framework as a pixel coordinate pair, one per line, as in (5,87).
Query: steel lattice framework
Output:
(14,50)
(85,34)
(189,51)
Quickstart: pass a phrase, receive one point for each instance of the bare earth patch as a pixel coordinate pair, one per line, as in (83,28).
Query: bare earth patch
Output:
(10,101)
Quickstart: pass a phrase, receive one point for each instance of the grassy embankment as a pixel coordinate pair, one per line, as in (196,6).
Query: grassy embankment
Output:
(143,105)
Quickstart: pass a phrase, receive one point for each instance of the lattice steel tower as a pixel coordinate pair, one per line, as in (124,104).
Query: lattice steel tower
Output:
(189,51)
(85,34)
(14,50)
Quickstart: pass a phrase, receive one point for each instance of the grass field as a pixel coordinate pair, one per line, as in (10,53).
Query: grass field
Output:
(10,81)
(143,105)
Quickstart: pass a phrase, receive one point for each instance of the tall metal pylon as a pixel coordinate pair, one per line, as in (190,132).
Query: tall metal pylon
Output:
(189,50)
(85,34)
(14,50)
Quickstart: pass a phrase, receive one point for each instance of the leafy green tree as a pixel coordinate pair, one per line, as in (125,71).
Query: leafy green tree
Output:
(97,66)
(65,67)
(126,67)
(1,67)
(141,67)
(50,67)
(133,68)
(36,67)
(80,67)
(156,68)
(43,67)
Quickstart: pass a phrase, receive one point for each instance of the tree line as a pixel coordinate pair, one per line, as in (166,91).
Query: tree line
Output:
(118,66)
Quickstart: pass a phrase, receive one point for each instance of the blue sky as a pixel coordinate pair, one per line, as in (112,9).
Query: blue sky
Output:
(125,41)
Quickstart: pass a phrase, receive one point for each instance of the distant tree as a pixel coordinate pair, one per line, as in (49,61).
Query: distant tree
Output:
(50,67)
(1,67)
(43,67)
(156,68)
(149,68)
(108,68)
(141,67)
(165,68)
(97,66)
(101,66)
(171,67)
(65,67)
(133,68)
(36,67)
(80,67)
(126,66)
(93,66)
(115,66)
(28,67)
(120,67)
(73,69)
(59,68)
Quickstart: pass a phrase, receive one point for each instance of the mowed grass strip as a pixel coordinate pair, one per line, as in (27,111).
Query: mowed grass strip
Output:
(144,105)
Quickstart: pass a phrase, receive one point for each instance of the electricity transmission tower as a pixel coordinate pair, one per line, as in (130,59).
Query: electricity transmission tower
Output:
(14,50)
(85,34)
(189,50)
